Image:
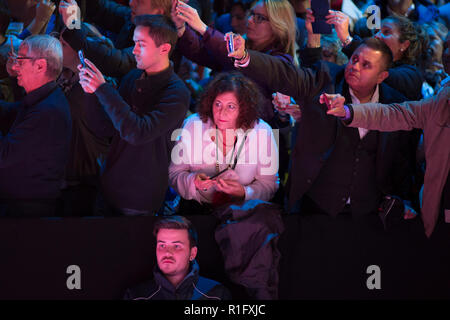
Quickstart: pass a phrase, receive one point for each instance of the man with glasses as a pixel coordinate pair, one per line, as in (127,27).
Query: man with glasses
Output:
(34,149)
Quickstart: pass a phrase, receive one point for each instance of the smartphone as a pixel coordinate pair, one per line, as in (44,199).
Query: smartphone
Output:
(218,174)
(81,56)
(320,10)
(230,43)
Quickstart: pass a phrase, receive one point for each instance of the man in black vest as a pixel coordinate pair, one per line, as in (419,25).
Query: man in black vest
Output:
(336,168)
(151,103)
(338,175)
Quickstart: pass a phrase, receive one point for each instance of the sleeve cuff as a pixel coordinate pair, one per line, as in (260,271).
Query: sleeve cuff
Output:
(348,114)
(243,64)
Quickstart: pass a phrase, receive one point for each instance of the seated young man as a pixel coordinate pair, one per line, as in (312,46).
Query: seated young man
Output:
(177,275)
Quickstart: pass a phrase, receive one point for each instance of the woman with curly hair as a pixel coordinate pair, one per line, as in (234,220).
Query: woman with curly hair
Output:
(225,152)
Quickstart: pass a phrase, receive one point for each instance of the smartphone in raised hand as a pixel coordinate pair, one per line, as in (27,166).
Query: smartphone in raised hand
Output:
(81,56)
(230,43)
(320,10)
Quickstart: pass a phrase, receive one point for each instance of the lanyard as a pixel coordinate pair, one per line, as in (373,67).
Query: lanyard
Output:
(234,146)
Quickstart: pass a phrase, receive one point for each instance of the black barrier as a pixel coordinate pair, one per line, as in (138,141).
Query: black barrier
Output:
(98,258)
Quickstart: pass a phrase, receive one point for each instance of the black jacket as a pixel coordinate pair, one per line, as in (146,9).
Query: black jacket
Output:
(193,287)
(141,120)
(317,131)
(33,153)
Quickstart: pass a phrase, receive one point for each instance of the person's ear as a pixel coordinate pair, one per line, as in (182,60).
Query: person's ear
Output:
(165,48)
(41,65)
(382,76)
(193,253)
(404,45)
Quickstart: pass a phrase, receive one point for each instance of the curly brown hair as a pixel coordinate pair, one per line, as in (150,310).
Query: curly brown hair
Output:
(247,94)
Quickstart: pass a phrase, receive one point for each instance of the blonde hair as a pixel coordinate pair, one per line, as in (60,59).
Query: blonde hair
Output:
(283,21)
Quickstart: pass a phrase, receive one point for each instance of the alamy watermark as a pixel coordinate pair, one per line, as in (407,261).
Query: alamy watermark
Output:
(374,18)
(73,20)
(198,146)
(74,280)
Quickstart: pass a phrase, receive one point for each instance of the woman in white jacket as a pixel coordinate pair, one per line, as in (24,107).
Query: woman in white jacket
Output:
(225,153)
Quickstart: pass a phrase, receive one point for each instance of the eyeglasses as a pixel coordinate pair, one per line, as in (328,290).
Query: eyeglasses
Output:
(20,60)
(257,17)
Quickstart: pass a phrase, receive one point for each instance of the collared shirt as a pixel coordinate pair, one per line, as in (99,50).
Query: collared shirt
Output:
(375,98)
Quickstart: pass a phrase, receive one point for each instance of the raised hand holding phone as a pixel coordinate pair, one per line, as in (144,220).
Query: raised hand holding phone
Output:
(90,77)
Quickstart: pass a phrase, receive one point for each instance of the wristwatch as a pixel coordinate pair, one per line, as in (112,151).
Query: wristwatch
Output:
(347,41)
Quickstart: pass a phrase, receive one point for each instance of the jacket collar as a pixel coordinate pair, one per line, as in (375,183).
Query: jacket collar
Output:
(191,277)
(154,82)
(39,94)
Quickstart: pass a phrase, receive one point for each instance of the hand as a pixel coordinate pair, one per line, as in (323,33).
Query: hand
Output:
(335,104)
(238,44)
(90,77)
(202,182)
(286,106)
(409,212)
(66,11)
(10,63)
(340,21)
(179,23)
(190,15)
(44,10)
(231,187)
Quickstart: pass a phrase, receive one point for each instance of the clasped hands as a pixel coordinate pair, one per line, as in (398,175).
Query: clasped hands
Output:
(231,187)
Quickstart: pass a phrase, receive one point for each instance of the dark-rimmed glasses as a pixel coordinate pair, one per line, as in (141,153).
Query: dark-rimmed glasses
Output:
(19,60)
(257,17)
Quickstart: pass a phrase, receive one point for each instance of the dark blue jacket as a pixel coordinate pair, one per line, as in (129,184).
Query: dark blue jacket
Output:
(33,153)
(193,287)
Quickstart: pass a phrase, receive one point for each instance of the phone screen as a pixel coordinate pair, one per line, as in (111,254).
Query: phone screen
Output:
(81,56)
(230,43)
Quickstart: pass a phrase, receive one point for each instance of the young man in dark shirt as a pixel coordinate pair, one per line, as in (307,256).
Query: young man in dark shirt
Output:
(150,104)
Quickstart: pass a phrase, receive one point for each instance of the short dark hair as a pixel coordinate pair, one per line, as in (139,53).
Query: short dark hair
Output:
(177,223)
(247,94)
(161,28)
(378,45)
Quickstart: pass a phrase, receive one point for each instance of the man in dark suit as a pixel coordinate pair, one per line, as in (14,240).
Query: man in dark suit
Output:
(323,145)
(34,151)
(338,177)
